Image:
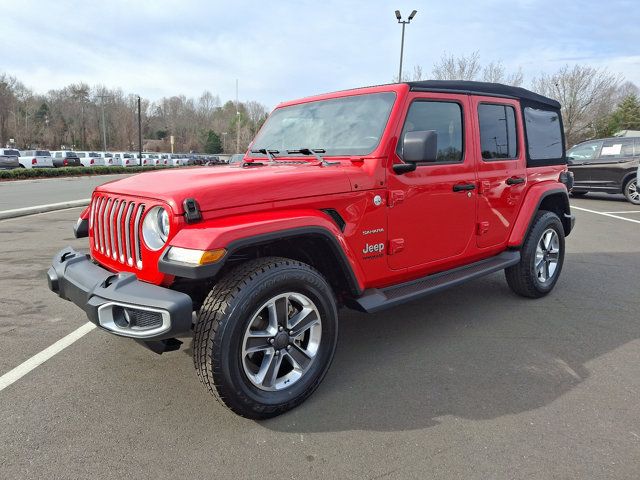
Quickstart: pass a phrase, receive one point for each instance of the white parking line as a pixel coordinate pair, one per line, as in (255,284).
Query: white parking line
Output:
(626,211)
(39,358)
(21,212)
(605,214)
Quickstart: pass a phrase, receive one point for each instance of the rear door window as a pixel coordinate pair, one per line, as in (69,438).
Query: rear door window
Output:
(498,138)
(614,150)
(544,135)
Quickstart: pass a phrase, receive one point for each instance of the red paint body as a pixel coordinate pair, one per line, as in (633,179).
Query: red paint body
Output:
(423,225)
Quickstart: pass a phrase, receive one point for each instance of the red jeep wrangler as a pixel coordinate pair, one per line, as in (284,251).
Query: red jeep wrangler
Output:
(364,198)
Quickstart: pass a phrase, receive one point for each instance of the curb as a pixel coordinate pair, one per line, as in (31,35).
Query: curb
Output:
(22,212)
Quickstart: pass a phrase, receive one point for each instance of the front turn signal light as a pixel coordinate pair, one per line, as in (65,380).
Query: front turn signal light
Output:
(195,257)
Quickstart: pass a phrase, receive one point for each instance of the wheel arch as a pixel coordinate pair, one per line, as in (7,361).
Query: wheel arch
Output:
(314,239)
(551,198)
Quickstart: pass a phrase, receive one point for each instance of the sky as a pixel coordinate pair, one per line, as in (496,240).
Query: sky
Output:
(284,49)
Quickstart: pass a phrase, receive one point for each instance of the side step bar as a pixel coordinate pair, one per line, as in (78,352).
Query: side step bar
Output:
(374,299)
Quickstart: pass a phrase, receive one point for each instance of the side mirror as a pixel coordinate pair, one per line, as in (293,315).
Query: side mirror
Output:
(417,147)
(421,146)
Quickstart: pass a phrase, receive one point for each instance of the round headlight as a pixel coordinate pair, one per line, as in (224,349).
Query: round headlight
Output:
(155,228)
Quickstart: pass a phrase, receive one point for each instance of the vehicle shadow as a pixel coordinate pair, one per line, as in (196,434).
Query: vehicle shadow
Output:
(609,197)
(476,352)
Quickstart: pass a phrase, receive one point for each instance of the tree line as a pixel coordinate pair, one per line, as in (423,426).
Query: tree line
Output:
(72,117)
(595,102)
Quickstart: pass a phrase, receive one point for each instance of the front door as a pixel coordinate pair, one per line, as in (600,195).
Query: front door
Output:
(432,210)
(502,173)
(580,159)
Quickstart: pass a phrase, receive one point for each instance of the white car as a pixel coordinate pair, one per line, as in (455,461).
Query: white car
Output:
(124,159)
(90,159)
(31,158)
(152,159)
(177,159)
(163,159)
(109,161)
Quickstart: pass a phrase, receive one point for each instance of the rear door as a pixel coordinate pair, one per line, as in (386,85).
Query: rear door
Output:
(614,162)
(501,168)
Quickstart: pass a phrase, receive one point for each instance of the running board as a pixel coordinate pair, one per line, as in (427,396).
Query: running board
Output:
(376,299)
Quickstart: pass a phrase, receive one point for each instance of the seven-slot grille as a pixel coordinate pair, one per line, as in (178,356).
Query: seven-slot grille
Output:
(116,228)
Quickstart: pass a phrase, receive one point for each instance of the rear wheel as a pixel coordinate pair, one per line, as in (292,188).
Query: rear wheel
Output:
(631,191)
(542,257)
(265,336)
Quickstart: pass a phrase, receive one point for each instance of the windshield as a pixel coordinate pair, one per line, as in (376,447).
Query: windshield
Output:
(341,126)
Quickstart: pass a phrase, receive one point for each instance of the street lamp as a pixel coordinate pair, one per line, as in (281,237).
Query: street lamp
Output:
(404,23)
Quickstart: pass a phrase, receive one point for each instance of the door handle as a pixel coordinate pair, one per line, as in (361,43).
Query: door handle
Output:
(514,180)
(462,187)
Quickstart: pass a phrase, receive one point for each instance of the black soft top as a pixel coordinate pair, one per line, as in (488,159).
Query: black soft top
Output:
(483,88)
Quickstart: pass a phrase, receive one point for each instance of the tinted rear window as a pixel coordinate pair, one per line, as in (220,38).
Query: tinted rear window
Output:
(544,135)
(71,154)
(497,131)
(43,153)
(13,153)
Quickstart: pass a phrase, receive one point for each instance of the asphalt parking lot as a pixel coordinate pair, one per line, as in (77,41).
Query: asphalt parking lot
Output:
(473,383)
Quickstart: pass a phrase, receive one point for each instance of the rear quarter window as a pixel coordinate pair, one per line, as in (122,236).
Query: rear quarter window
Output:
(545,143)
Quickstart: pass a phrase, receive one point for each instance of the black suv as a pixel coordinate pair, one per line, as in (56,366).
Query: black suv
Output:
(606,165)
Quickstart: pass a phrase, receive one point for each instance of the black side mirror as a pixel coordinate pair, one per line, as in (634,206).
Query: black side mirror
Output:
(417,147)
(421,146)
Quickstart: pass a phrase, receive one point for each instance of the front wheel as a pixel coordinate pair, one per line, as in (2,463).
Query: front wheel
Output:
(631,191)
(541,258)
(265,336)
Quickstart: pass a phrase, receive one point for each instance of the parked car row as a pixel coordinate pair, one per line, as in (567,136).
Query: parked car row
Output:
(13,158)
(607,165)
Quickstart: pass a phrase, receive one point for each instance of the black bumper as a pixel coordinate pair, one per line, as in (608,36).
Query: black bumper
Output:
(104,295)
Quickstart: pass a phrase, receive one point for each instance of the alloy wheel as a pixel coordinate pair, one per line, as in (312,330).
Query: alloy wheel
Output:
(281,341)
(547,255)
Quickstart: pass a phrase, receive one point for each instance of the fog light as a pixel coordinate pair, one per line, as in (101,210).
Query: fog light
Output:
(195,257)
(121,317)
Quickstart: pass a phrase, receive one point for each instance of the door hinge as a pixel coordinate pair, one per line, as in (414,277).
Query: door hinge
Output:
(395,197)
(483,227)
(396,245)
(483,187)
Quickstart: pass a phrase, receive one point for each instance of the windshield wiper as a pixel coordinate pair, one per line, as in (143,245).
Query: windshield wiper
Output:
(315,152)
(269,153)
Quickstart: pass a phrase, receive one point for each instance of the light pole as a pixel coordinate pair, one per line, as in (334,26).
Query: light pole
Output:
(139,132)
(224,141)
(104,125)
(404,23)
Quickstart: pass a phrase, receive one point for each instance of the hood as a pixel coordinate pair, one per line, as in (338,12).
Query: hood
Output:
(216,188)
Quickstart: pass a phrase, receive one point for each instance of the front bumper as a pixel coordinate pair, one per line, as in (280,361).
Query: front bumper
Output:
(119,302)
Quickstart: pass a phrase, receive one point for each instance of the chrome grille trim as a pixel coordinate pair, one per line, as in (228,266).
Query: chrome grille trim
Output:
(127,236)
(114,207)
(105,222)
(123,204)
(136,235)
(103,204)
(116,228)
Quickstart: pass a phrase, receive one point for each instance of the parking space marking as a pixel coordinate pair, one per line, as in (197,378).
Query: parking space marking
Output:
(625,211)
(606,214)
(21,212)
(39,358)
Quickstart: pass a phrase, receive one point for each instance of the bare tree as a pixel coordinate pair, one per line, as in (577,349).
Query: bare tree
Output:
(457,68)
(586,94)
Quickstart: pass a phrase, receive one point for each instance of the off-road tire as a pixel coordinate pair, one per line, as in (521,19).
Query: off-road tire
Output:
(522,277)
(224,317)
(629,191)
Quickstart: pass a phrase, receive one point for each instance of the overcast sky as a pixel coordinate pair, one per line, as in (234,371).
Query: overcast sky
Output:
(282,50)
